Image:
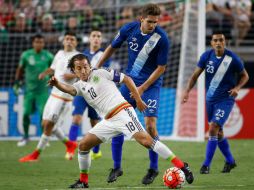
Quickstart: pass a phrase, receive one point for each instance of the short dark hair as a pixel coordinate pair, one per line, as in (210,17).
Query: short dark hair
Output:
(69,33)
(151,9)
(215,32)
(95,29)
(77,57)
(39,36)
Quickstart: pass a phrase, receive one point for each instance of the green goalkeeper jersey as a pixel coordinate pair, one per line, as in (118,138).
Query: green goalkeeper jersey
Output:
(33,64)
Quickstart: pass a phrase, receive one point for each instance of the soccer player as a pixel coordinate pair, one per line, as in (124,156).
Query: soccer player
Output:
(148,48)
(32,63)
(58,103)
(93,53)
(222,67)
(99,90)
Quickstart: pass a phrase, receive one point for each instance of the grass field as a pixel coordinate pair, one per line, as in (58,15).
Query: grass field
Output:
(54,172)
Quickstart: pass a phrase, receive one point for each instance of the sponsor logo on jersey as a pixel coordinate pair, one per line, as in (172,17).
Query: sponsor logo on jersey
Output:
(210,62)
(134,39)
(225,63)
(151,43)
(31,60)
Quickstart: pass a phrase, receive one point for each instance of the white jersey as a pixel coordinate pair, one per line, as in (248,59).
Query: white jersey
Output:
(59,65)
(100,91)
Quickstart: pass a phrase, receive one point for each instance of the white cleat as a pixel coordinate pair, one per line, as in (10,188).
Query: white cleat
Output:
(22,142)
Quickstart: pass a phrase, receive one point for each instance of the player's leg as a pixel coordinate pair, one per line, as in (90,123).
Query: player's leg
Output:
(98,134)
(151,98)
(117,143)
(223,142)
(80,105)
(133,128)
(94,119)
(28,107)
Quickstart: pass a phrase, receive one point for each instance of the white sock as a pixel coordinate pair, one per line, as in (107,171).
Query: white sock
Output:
(43,142)
(84,160)
(162,150)
(59,134)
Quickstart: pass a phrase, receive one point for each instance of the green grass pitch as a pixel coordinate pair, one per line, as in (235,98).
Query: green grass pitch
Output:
(53,172)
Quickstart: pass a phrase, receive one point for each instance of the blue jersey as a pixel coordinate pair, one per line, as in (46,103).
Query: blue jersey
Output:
(221,73)
(94,57)
(146,51)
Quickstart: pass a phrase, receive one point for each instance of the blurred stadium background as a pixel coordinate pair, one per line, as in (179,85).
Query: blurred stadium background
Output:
(21,19)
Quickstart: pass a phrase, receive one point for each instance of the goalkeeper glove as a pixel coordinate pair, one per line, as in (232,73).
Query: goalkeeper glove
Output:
(16,87)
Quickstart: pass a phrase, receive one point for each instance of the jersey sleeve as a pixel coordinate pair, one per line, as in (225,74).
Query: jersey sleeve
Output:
(239,66)
(22,61)
(111,75)
(162,56)
(76,85)
(202,61)
(120,37)
(53,65)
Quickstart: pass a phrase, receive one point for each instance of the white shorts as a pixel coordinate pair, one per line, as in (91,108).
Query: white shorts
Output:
(54,108)
(126,122)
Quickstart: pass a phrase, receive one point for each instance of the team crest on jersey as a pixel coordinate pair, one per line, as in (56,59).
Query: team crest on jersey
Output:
(151,43)
(225,63)
(96,79)
(31,60)
(210,62)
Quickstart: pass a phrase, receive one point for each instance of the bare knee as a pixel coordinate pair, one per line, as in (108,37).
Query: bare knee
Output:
(214,129)
(151,126)
(144,139)
(77,119)
(83,146)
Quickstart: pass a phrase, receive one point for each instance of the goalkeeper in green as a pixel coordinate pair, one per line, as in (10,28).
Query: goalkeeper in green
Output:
(33,62)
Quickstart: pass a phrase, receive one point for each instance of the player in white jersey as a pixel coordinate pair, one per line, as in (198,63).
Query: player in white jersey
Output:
(99,90)
(59,102)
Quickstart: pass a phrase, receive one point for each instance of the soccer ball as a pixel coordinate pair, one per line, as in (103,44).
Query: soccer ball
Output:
(174,178)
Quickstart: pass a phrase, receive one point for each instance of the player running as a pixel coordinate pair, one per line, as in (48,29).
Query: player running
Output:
(58,102)
(99,90)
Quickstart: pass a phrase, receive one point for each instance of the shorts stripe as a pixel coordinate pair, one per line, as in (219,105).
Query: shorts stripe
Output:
(117,109)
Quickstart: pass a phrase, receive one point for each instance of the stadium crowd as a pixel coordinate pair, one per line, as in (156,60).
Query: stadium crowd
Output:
(20,20)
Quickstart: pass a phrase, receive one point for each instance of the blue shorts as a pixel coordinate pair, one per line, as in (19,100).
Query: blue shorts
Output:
(151,97)
(218,112)
(80,106)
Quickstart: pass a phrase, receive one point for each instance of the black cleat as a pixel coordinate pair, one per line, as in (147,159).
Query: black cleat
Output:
(188,173)
(228,167)
(114,174)
(204,170)
(150,176)
(79,185)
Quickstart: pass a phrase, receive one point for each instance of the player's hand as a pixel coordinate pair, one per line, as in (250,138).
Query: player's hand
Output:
(185,97)
(41,76)
(233,92)
(16,87)
(52,81)
(141,105)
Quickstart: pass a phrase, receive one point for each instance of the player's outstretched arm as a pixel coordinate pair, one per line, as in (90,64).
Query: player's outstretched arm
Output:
(192,81)
(135,94)
(106,55)
(63,87)
(49,71)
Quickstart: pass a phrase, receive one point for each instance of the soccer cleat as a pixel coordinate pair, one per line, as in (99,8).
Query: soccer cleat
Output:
(79,185)
(95,156)
(228,167)
(23,142)
(30,157)
(70,149)
(114,174)
(204,170)
(188,173)
(150,176)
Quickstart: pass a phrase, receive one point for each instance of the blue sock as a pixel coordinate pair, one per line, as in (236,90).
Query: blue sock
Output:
(73,133)
(224,148)
(116,147)
(210,150)
(154,157)
(96,149)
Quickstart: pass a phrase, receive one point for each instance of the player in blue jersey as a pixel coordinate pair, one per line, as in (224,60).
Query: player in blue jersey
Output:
(148,48)
(93,53)
(225,76)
